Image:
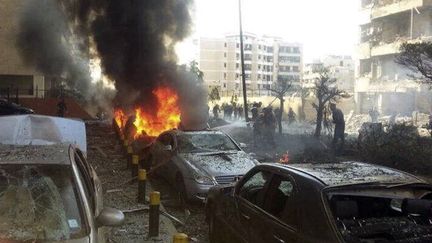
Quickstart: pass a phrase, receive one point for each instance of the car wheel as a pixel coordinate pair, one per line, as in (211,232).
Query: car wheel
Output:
(214,230)
(181,190)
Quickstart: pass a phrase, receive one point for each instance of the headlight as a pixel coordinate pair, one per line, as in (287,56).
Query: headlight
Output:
(201,179)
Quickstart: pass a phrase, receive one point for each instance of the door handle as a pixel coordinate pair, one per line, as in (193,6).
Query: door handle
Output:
(279,239)
(245,216)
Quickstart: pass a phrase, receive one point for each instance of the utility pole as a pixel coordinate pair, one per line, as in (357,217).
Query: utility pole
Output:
(242,67)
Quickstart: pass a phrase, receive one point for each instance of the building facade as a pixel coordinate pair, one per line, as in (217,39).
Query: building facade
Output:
(380,81)
(267,60)
(340,67)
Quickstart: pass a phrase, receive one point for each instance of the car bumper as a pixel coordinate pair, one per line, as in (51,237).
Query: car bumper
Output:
(196,191)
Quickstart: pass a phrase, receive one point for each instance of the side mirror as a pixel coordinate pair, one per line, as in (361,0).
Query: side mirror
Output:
(243,145)
(110,217)
(168,148)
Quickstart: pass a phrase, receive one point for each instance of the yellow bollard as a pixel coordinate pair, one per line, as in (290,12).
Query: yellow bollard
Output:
(180,238)
(154,214)
(134,167)
(142,181)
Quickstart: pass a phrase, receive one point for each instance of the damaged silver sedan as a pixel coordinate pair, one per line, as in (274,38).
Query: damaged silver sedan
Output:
(49,193)
(194,161)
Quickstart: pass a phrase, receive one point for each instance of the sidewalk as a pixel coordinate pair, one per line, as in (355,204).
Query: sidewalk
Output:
(106,155)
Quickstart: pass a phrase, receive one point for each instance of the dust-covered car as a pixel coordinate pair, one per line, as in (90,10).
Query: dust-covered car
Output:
(194,161)
(9,108)
(343,202)
(49,193)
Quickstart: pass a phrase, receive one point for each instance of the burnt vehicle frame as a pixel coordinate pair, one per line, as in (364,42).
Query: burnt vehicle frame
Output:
(228,213)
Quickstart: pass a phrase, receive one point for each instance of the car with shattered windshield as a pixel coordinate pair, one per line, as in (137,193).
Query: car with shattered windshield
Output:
(49,193)
(343,202)
(194,161)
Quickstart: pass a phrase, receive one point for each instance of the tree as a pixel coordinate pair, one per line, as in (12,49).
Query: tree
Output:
(325,91)
(214,94)
(417,57)
(279,90)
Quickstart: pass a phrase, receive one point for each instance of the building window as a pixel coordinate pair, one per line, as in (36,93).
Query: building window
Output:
(237,45)
(259,67)
(225,44)
(296,50)
(296,69)
(259,47)
(225,76)
(237,75)
(224,54)
(259,86)
(237,65)
(237,56)
(259,76)
(225,65)
(259,57)
(224,85)
(341,63)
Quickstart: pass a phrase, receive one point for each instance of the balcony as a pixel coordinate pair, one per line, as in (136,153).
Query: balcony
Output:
(364,51)
(393,47)
(383,8)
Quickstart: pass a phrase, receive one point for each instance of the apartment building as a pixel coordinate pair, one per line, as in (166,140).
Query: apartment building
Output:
(14,73)
(340,67)
(381,82)
(267,60)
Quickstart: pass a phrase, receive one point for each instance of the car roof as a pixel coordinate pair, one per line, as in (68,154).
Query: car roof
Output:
(57,154)
(351,172)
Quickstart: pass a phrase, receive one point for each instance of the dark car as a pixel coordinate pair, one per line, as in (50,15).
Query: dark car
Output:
(9,108)
(343,202)
(49,193)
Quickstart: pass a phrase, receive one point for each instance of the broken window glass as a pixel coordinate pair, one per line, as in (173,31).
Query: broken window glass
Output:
(39,202)
(205,142)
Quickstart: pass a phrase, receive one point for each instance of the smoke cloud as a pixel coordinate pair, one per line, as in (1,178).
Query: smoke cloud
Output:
(135,40)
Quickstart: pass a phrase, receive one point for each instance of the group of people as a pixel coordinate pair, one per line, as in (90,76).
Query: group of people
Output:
(264,124)
(230,111)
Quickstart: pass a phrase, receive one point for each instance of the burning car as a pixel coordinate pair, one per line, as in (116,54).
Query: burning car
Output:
(194,161)
(50,193)
(344,202)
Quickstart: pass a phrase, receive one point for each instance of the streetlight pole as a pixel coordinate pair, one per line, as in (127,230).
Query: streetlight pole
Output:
(243,66)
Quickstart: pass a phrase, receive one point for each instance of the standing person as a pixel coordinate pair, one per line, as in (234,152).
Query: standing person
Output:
(269,125)
(254,112)
(339,131)
(291,116)
(216,110)
(374,114)
(61,107)
(240,112)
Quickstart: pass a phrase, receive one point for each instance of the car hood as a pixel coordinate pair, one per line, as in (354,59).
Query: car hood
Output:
(221,163)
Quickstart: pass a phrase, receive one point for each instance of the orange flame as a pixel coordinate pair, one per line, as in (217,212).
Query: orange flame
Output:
(167,116)
(120,118)
(285,158)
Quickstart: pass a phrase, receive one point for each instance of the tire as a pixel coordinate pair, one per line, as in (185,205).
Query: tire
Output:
(181,190)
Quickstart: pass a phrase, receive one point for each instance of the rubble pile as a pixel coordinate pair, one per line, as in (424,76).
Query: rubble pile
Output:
(398,146)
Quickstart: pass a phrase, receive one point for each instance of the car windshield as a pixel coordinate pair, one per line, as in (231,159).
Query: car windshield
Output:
(39,202)
(204,142)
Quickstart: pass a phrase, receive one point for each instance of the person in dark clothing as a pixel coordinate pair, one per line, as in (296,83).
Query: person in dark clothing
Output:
(291,116)
(269,125)
(61,107)
(339,131)
(216,110)
(254,112)
(240,112)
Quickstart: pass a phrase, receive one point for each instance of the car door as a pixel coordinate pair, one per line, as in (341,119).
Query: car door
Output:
(93,191)
(249,196)
(279,213)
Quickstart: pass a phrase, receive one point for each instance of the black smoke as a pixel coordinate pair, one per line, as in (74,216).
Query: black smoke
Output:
(135,40)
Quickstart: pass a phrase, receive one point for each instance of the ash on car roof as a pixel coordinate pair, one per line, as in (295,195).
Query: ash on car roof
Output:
(34,154)
(346,173)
